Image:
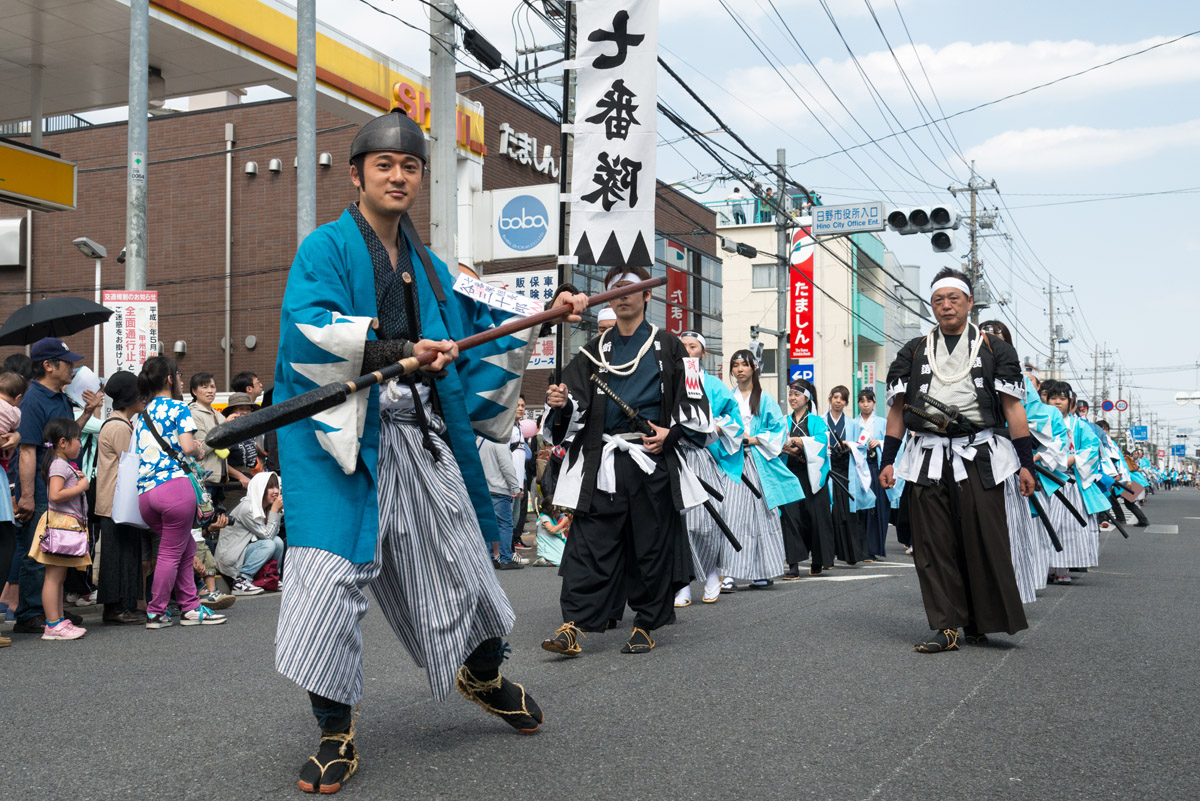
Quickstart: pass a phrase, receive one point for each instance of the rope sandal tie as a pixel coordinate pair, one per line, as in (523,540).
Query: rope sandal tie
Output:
(521,718)
(638,648)
(934,647)
(345,741)
(569,644)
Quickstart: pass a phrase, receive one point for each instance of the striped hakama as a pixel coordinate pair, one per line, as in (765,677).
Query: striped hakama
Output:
(1081,544)
(708,543)
(1021,534)
(432,578)
(757,527)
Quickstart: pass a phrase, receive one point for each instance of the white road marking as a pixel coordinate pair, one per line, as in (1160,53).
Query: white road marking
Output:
(1161,529)
(854,578)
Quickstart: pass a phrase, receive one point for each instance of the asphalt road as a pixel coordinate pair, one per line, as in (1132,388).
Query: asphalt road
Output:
(810,689)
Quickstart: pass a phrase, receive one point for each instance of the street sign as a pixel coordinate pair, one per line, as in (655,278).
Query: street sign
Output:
(1179,450)
(1139,433)
(804,371)
(849,218)
(1107,406)
(1162,454)
(1122,405)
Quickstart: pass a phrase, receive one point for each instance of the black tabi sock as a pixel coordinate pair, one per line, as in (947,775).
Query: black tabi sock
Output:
(333,717)
(484,661)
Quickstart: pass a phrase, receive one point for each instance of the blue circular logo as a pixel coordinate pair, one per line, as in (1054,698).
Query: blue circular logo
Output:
(523,222)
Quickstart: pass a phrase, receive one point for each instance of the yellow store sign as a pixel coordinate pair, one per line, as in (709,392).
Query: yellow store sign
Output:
(34,179)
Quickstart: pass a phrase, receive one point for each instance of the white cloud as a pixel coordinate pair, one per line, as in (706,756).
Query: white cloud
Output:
(1037,150)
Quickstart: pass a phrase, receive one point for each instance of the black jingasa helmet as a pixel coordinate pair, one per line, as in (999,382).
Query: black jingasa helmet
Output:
(395,132)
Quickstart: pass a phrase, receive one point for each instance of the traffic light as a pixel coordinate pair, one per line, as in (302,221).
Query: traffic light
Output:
(935,220)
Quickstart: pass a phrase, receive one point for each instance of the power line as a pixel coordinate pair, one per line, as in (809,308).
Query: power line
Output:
(1000,99)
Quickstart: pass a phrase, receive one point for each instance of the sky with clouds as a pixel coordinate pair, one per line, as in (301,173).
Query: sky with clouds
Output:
(1080,165)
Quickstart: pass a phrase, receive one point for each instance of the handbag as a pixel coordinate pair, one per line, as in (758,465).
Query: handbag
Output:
(125,508)
(204,504)
(63,535)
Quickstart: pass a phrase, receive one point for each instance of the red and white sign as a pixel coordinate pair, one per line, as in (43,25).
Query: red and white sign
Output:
(1162,454)
(131,334)
(677,289)
(800,323)
(539,285)
(1121,405)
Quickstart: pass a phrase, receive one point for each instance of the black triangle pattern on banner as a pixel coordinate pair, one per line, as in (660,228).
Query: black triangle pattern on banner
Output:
(583,251)
(639,256)
(611,255)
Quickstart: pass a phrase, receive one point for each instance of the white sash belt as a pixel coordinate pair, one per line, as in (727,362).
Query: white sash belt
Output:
(1004,455)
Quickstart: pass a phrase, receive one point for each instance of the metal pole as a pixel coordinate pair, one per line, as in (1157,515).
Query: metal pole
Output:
(306,123)
(974,243)
(783,282)
(135,203)
(97,329)
(35,104)
(1051,365)
(562,334)
(229,140)
(443,190)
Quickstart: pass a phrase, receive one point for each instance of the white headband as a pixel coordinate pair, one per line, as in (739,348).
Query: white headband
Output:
(950,282)
(632,278)
(803,392)
(695,336)
(606,314)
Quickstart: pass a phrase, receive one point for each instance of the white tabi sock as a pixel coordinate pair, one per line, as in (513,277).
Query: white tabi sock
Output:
(684,595)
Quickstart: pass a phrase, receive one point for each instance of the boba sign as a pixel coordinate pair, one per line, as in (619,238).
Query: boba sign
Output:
(523,223)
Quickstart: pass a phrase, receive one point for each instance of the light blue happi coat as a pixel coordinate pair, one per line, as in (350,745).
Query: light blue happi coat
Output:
(1087,468)
(331,458)
(779,484)
(727,418)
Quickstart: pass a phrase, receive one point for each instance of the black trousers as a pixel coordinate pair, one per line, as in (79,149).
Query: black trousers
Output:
(624,547)
(963,556)
(120,582)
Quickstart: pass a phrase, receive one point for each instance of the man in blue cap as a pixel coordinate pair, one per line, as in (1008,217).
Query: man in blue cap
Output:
(53,365)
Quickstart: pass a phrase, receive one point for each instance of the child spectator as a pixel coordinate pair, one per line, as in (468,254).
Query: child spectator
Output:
(65,488)
(12,389)
(252,538)
(553,525)
(206,567)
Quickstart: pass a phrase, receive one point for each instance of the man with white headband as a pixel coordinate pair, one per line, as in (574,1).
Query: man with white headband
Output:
(949,389)
(717,464)
(627,488)
(606,319)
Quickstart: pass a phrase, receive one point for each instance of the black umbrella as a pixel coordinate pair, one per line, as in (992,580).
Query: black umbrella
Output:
(52,317)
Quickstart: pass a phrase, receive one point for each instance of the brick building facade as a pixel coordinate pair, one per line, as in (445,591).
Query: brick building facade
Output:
(186,220)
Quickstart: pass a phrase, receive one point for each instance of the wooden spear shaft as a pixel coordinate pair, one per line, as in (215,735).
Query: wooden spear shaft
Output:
(325,397)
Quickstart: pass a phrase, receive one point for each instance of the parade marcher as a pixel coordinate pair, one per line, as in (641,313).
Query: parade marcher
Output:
(627,489)
(1081,544)
(875,516)
(847,482)
(718,464)
(1029,544)
(1124,480)
(752,505)
(949,389)
(386,489)
(807,523)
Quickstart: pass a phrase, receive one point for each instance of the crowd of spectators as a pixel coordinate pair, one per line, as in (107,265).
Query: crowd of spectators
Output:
(199,544)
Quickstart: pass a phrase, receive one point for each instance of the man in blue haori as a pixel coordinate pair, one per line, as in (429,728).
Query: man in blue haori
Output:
(388,487)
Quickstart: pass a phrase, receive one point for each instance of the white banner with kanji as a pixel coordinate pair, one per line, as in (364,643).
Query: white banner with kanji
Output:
(538,285)
(615,127)
(131,334)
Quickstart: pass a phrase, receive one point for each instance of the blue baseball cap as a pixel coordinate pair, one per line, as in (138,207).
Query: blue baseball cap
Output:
(52,348)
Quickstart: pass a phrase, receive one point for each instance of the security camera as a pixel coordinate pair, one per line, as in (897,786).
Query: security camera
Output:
(121,256)
(93,250)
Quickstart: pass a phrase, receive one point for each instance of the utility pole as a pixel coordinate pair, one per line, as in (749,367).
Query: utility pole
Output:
(783,278)
(137,174)
(1095,379)
(306,119)
(1053,339)
(974,266)
(443,162)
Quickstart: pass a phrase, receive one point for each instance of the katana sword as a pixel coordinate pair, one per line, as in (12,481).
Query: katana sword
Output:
(941,421)
(1109,517)
(1045,518)
(325,397)
(642,426)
